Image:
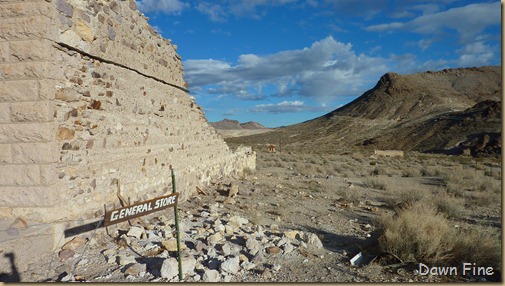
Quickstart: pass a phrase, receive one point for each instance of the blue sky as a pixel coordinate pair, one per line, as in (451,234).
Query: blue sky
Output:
(281,62)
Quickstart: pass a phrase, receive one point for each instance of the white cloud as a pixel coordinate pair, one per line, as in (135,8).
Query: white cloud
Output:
(475,54)
(165,6)
(325,71)
(214,11)
(286,107)
(468,21)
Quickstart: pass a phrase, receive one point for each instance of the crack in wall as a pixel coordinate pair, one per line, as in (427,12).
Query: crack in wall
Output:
(63,45)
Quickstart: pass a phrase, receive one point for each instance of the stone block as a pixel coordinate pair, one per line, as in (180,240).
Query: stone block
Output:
(23,28)
(19,175)
(20,9)
(4,52)
(29,132)
(38,111)
(18,90)
(31,50)
(39,153)
(48,174)
(5,153)
(5,113)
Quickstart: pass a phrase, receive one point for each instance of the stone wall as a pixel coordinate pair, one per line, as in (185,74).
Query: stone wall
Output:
(90,94)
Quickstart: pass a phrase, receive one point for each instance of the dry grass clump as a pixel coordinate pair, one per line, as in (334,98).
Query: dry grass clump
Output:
(376,183)
(406,196)
(420,233)
(448,205)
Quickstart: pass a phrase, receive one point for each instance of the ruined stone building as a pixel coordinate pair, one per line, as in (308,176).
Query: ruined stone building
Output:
(91,94)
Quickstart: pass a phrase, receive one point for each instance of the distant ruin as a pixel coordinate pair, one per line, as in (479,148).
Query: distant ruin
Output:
(90,94)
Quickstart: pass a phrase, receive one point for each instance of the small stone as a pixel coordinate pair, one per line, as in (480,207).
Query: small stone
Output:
(288,247)
(75,243)
(211,276)
(135,231)
(237,221)
(292,234)
(276,267)
(231,265)
(19,223)
(266,274)
(253,245)
(215,238)
(200,246)
(125,260)
(169,268)
(273,250)
(136,269)
(248,265)
(66,254)
(314,241)
(233,191)
(171,244)
(188,265)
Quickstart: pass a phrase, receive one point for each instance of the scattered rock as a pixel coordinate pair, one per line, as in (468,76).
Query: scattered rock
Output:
(273,250)
(313,241)
(66,254)
(135,269)
(211,276)
(292,234)
(253,245)
(75,243)
(135,231)
(169,268)
(231,265)
(215,238)
(125,260)
(171,244)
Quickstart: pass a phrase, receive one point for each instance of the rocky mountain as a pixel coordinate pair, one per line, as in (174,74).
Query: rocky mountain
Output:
(227,124)
(453,111)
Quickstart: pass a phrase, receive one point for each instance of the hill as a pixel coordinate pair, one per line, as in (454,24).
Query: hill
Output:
(452,111)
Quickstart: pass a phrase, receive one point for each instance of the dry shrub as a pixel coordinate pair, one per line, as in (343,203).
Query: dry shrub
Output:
(411,172)
(478,245)
(376,183)
(406,195)
(419,233)
(449,205)
(432,171)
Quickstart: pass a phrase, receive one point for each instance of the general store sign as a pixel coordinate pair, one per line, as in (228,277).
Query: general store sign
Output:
(140,209)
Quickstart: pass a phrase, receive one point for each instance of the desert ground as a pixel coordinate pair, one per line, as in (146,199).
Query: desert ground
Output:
(310,214)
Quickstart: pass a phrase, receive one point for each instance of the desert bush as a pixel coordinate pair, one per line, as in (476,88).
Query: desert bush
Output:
(448,204)
(406,195)
(426,240)
(432,171)
(419,233)
(478,245)
(411,172)
(376,183)
(349,195)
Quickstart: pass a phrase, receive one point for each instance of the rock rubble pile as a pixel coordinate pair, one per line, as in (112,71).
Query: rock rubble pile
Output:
(215,247)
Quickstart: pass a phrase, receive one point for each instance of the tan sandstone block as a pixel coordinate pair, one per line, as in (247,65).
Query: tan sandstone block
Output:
(5,153)
(4,52)
(30,132)
(19,175)
(17,9)
(19,90)
(27,196)
(5,113)
(32,50)
(35,153)
(38,111)
(34,27)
